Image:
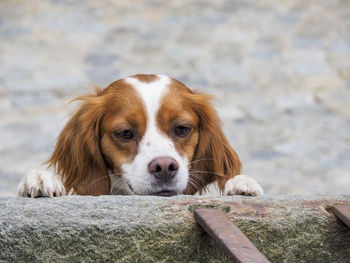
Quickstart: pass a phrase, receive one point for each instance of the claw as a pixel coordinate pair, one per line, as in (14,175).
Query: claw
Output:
(40,183)
(243,185)
(32,193)
(50,193)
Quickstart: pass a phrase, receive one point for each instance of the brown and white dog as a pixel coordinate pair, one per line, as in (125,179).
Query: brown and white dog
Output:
(143,135)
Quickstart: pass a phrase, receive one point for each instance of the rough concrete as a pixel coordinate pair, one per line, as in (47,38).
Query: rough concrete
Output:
(280,71)
(155,229)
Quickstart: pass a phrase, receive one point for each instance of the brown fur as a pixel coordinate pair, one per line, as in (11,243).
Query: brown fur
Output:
(176,110)
(77,156)
(147,78)
(213,158)
(86,148)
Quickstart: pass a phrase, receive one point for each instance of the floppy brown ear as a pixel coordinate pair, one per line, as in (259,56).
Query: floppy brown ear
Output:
(214,158)
(77,156)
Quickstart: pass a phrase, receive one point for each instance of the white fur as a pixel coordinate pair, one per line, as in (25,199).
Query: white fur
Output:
(153,144)
(239,185)
(242,185)
(41,182)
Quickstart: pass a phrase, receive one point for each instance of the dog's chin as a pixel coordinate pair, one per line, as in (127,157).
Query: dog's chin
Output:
(166,193)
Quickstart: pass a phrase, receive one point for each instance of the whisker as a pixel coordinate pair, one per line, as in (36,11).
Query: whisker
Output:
(194,185)
(119,181)
(199,160)
(202,188)
(116,188)
(197,177)
(198,186)
(207,172)
(115,174)
(103,177)
(116,184)
(198,180)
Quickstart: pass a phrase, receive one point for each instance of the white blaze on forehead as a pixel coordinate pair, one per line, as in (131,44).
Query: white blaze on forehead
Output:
(151,93)
(154,143)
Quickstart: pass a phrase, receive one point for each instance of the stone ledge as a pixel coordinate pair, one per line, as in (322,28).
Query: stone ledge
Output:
(156,229)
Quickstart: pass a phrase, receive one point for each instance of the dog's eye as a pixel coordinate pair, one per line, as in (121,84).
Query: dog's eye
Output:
(182,130)
(124,135)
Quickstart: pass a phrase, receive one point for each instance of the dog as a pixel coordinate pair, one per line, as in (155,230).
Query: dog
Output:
(142,135)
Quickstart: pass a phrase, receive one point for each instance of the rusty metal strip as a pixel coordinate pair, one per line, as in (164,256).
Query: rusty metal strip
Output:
(236,245)
(342,212)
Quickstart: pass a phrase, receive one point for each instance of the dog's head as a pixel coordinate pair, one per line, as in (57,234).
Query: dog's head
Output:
(150,134)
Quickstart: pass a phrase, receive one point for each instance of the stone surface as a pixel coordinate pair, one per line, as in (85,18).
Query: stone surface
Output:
(280,71)
(156,229)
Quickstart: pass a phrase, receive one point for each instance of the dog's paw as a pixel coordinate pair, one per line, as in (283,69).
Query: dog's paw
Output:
(243,185)
(41,183)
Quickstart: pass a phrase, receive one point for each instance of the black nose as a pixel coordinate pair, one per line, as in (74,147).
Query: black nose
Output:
(163,168)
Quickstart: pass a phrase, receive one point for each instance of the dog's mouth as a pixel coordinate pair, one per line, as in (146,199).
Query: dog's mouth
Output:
(166,193)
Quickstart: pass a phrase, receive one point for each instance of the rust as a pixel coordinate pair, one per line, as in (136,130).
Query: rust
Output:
(342,212)
(236,245)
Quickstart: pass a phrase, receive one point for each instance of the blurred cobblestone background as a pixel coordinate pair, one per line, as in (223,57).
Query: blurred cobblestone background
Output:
(280,71)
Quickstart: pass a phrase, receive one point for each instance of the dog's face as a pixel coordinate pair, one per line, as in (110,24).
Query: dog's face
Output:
(150,133)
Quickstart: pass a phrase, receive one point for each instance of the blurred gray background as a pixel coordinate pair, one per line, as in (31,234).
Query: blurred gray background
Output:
(280,70)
